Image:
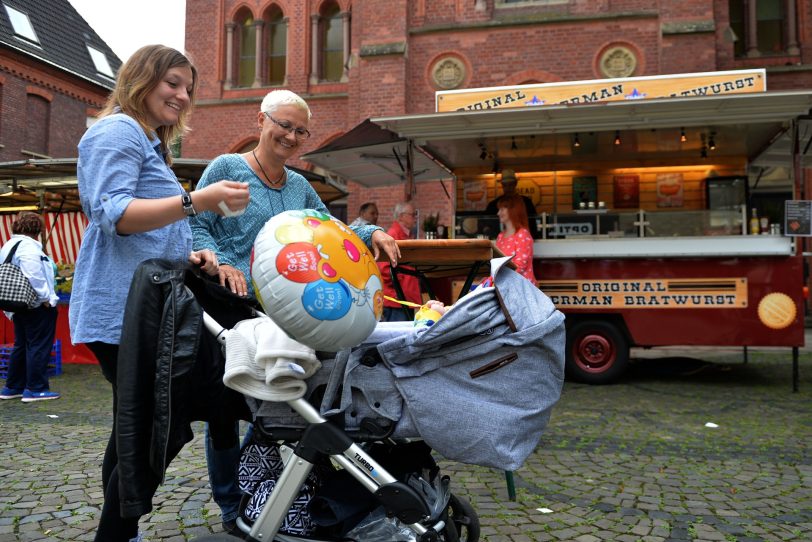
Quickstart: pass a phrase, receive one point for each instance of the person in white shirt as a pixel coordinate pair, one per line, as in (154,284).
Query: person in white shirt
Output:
(367,215)
(34,328)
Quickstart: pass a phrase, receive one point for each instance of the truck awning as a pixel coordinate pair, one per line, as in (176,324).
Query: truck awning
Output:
(53,181)
(752,126)
(373,156)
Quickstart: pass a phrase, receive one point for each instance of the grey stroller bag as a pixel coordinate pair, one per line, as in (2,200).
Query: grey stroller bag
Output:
(478,386)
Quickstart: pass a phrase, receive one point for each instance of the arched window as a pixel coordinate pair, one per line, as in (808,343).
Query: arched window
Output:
(770,26)
(247,51)
(737,18)
(331,43)
(37,121)
(277,47)
(763,27)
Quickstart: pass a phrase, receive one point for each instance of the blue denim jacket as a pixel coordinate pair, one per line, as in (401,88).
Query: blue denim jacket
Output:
(118,163)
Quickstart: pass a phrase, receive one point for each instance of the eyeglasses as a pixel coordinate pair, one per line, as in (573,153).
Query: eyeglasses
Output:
(299,133)
(409,213)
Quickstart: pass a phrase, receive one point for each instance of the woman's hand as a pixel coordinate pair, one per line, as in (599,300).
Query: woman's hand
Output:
(206,259)
(233,279)
(232,194)
(382,241)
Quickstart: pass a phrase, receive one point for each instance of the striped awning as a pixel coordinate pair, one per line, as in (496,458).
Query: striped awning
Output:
(63,234)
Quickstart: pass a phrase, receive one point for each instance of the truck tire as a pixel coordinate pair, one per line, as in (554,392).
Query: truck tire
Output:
(597,352)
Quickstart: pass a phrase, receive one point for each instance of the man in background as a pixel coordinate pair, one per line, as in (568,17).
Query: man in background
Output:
(509,183)
(405,218)
(367,215)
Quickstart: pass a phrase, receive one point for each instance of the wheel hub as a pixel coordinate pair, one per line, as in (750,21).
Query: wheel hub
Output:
(595,353)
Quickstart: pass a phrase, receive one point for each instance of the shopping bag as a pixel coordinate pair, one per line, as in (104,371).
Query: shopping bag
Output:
(16,292)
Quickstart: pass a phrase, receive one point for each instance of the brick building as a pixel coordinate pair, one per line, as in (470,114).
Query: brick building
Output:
(55,73)
(371,58)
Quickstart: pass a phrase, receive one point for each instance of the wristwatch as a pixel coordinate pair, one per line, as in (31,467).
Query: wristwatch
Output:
(186,201)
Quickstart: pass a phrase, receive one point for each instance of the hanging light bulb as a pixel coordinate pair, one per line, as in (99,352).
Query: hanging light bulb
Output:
(682,137)
(712,141)
(617,137)
(576,142)
(704,152)
(513,146)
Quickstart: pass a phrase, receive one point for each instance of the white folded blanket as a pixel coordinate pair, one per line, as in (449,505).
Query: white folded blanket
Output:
(262,361)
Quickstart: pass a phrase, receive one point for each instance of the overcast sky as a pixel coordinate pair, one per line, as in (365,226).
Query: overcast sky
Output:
(126,26)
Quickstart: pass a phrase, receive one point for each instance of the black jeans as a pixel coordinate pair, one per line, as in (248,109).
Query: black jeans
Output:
(112,527)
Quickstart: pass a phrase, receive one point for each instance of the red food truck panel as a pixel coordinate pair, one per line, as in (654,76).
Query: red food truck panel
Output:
(732,301)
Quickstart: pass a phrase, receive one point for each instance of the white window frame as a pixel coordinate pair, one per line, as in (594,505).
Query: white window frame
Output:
(21,24)
(100,61)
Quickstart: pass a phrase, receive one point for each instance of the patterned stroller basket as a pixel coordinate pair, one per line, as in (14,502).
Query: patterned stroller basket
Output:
(476,387)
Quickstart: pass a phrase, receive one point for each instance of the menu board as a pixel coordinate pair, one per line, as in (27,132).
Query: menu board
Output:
(669,190)
(798,218)
(584,190)
(474,194)
(626,191)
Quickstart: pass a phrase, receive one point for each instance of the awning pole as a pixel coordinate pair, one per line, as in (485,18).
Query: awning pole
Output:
(797,181)
(410,189)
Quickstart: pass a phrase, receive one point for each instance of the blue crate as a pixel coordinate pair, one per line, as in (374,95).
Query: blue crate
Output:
(54,366)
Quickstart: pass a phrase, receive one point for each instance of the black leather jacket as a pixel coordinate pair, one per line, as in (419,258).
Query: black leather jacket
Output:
(170,373)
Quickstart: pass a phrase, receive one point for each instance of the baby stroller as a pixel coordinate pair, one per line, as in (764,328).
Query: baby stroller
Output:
(355,446)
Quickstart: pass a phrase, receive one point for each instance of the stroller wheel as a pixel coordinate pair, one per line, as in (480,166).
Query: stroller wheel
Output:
(463,521)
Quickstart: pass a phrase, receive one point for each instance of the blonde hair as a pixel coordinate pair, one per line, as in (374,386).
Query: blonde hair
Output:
(137,78)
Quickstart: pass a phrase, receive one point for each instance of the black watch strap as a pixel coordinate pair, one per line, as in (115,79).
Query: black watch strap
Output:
(186,201)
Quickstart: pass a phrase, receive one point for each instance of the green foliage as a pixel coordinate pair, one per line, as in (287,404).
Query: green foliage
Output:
(64,278)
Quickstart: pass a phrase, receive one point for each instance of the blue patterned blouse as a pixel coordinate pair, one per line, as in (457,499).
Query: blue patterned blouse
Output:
(233,238)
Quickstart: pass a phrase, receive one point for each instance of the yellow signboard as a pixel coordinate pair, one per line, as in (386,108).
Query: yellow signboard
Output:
(603,90)
(708,293)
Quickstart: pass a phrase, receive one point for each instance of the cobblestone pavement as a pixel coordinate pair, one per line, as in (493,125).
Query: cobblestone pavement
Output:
(635,461)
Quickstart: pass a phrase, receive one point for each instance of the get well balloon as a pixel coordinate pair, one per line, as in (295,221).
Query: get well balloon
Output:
(317,280)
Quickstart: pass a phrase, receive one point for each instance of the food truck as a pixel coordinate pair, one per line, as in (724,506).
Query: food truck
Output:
(670,210)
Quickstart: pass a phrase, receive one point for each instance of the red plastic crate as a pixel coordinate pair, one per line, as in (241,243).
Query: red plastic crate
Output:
(54,366)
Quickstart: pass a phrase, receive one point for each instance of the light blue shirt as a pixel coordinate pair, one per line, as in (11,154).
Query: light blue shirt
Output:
(118,163)
(233,238)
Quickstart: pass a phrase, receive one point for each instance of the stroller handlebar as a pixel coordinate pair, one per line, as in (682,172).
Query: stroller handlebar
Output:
(215,328)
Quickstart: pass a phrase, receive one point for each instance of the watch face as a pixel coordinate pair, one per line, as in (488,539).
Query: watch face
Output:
(188,208)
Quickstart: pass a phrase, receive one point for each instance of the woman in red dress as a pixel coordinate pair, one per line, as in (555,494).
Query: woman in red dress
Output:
(515,236)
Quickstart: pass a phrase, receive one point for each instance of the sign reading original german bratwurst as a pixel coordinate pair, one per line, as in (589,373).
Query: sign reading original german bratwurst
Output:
(698,293)
(603,90)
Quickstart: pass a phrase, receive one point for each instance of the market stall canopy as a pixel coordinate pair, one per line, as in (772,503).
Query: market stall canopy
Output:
(51,184)
(372,156)
(751,125)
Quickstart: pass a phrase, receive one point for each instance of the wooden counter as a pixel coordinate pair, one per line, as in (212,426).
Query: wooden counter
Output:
(446,257)
(438,258)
